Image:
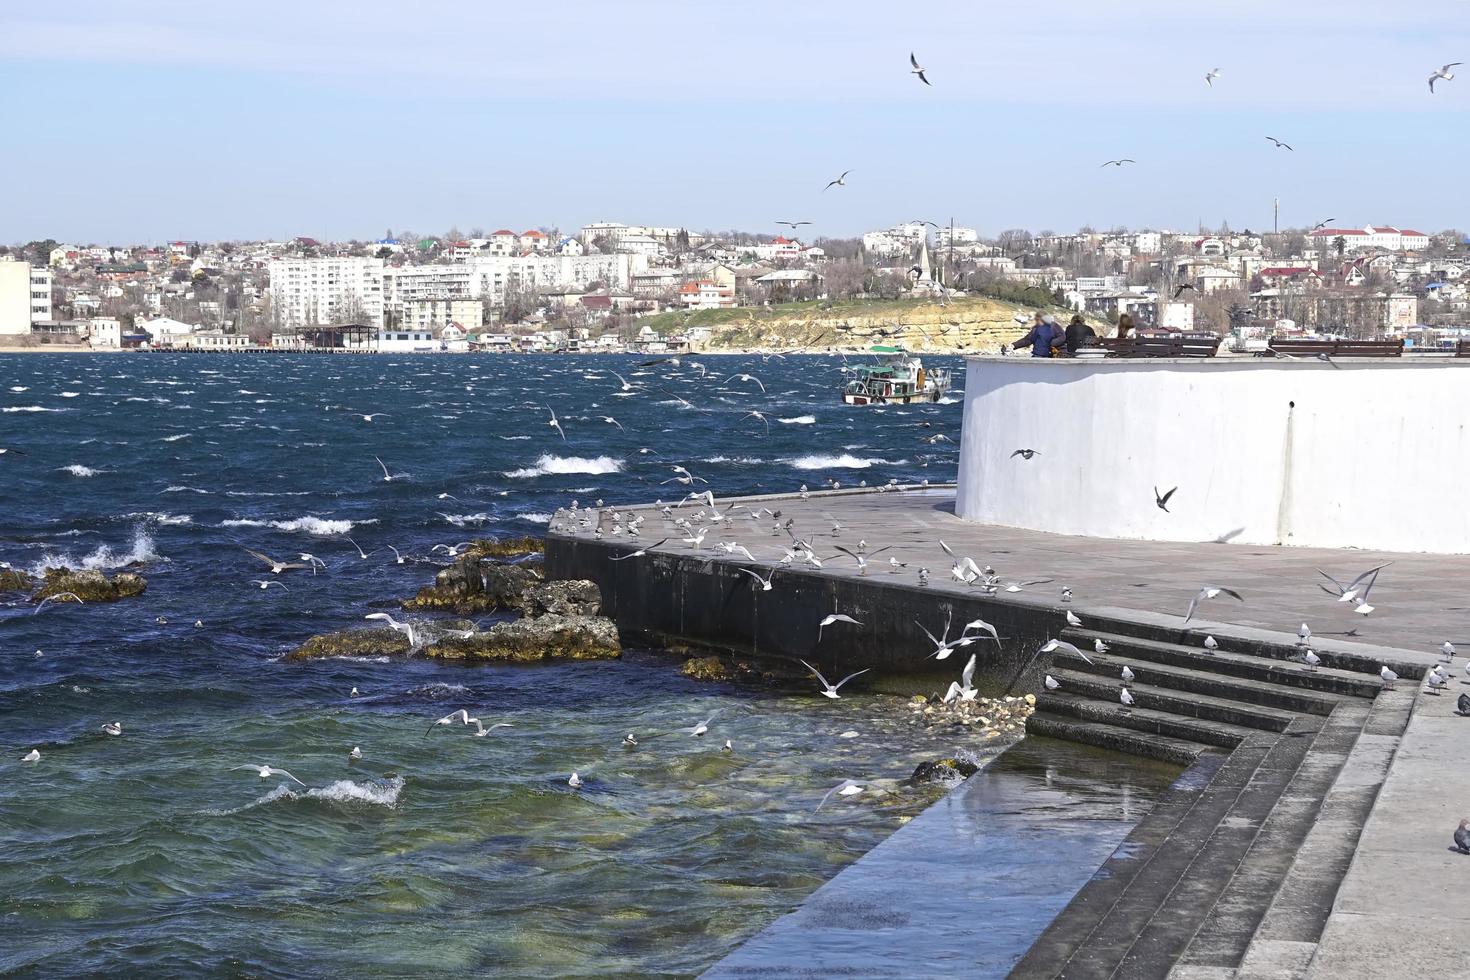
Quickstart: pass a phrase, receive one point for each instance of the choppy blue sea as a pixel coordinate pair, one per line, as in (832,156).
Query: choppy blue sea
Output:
(149,854)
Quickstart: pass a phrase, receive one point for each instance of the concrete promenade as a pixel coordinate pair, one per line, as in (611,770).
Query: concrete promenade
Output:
(1394,914)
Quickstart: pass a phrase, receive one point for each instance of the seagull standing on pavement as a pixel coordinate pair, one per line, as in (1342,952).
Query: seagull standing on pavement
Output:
(1312,660)
(1125,699)
(1388,677)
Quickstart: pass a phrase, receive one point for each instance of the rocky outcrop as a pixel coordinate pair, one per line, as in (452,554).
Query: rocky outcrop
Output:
(504,547)
(740,670)
(15,580)
(352,643)
(573,597)
(993,717)
(89,586)
(547,637)
(472,587)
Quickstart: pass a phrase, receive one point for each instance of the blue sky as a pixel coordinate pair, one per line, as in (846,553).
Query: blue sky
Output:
(149,120)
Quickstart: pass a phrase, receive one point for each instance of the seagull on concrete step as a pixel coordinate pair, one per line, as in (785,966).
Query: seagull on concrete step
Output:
(1462,705)
(1099,646)
(1126,674)
(1210,592)
(1435,681)
(1051,683)
(1072,619)
(1448,650)
(1312,660)
(1125,698)
(1303,635)
(265,772)
(1388,676)
(834,618)
(845,788)
(830,688)
(1443,73)
(1210,644)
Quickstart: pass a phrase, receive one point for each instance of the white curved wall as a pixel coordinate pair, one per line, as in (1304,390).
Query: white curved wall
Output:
(1373,453)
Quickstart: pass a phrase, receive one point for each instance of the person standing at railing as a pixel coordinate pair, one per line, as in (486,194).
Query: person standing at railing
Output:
(1079,334)
(1044,337)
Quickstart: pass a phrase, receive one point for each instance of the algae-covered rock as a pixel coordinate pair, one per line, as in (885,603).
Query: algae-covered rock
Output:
(15,580)
(707,669)
(352,643)
(943,770)
(89,585)
(569,597)
(548,637)
(471,587)
(504,547)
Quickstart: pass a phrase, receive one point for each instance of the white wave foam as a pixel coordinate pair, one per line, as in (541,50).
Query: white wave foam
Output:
(799,420)
(307,525)
(946,400)
(20,388)
(30,408)
(159,517)
(77,469)
(438,689)
(70,394)
(182,435)
(512,438)
(372,793)
(535,517)
(461,520)
(183,489)
(548,465)
(102,558)
(845,461)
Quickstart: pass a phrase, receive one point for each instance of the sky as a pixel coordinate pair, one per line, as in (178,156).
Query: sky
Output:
(151,120)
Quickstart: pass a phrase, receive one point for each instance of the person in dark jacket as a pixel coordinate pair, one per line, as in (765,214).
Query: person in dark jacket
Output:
(1079,334)
(1125,326)
(1044,337)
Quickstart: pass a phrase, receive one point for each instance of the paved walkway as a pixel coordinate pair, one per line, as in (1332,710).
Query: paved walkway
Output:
(1396,913)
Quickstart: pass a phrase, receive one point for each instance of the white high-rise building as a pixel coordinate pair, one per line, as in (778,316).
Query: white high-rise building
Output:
(25,297)
(333,290)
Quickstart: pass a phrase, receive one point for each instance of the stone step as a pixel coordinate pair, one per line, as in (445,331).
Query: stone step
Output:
(1095,931)
(1270,670)
(1217,733)
(1204,682)
(1341,653)
(1185,888)
(1228,929)
(1102,735)
(1185,703)
(1288,934)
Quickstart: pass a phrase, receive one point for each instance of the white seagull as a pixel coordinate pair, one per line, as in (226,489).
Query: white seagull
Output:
(917,70)
(831,689)
(1072,619)
(265,772)
(407,629)
(266,583)
(1126,674)
(765,583)
(839,182)
(834,618)
(1063,645)
(387,477)
(1210,644)
(845,788)
(1210,77)
(276,567)
(1125,698)
(1443,73)
(1209,592)
(34,755)
(1388,676)
(1051,683)
(555,423)
(113,728)
(1312,660)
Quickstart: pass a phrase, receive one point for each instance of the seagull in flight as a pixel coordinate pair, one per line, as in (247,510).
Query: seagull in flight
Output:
(1119,162)
(845,788)
(1182,288)
(749,377)
(267,772)
(266,583)
(387,477)
(276,567)
(1210,592)
(1323,224)
(793,225)
(1279,144)
(1066,647)
(839,182)
(1210,77)
(6,451)
(555,423)
(834,618)
(610,421)
(407,629)
(765,583)
(1024,454)
(369,416)
(1162,502)
(830,688)
(1443,73)
(58,597)
(640,552)
(917,69)
(1349,592)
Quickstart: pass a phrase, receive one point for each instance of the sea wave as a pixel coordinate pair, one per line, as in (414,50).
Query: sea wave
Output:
(548,465)
(159,517)
(183,489)
(946,400)
(382,793)
(77,469)
(103,558)
(845,461)
(181,435)
(535,517)
(307,525)
(70,394)
(799,420)
(31,408)
(462,520)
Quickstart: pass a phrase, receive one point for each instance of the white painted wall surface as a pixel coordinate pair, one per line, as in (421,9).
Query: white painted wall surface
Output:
(1373,454)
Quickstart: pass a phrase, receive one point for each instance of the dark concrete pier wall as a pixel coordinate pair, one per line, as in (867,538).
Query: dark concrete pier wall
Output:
(703,601)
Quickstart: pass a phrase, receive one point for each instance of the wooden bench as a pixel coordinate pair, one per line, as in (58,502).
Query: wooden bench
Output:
(1337,348)
(1183,345)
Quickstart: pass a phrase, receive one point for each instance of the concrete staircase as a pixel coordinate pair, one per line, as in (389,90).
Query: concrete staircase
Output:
(1234,872)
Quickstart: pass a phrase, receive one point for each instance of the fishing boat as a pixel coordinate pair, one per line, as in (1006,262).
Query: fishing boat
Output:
(896,378)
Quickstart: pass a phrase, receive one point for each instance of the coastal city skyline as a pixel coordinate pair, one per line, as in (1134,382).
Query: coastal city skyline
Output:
(343,120)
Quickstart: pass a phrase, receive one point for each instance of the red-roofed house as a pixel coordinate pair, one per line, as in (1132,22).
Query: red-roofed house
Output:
(1371,236)
(534,241)
(1276,275)
(503,242)
(705,294)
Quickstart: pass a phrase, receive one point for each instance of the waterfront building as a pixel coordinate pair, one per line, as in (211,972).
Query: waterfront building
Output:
(705,294)
(18,303)
(1371,237)
(309,291)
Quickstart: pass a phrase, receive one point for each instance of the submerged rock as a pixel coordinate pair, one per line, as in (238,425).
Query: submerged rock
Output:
(707,669)
(352,643)
(89,585)
(569,597)
(548,637)
(15,580)
(943,771)
(471,586)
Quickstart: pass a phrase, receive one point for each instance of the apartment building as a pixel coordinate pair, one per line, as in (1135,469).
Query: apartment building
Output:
(307,291)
